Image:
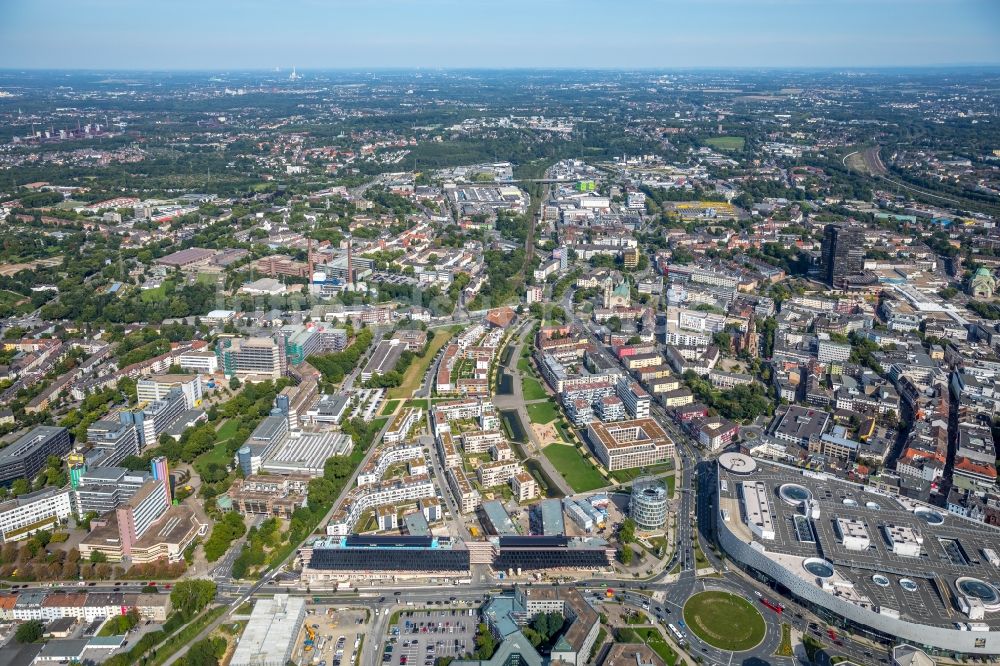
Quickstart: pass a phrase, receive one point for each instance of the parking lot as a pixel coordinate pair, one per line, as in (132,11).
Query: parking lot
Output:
(423,636)
(338,636)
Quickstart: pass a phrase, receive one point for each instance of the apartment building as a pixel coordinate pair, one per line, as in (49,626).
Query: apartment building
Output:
(363,498)
(402,424)
(376,468)
(580,412)
(481,441)
(498,472)
(524,486)
(611,408)
(450,456)
(468,497)
(634,397)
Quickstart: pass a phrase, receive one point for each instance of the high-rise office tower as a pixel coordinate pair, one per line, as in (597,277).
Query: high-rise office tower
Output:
(843,254)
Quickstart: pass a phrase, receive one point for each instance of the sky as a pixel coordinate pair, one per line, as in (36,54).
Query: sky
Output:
(358,34)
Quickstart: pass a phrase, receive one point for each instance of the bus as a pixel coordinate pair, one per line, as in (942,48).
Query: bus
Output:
(676,632)
(773,605)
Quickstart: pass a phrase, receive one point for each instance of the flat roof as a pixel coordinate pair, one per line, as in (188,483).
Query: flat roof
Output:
(551,513)
(384,358)
(307,451)
(951,548)
(28,442)
(273,626)
(416,524)
(625,434)
(498,517)
(186,256)
(802,423)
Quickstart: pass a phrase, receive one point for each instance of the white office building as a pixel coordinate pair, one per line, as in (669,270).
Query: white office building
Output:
(23,516)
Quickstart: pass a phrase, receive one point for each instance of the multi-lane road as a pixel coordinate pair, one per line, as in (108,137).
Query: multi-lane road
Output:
(695,511)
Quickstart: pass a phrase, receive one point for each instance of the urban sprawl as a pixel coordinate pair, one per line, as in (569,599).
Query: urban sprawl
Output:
(545,368)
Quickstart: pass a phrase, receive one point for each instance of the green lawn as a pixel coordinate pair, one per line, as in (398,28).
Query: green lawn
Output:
(532,389)
(724,620)
(227,430)
(626,475)
(153,295)
(217,454)
(729,143)
(390,407)
(9,301)
(542,412)
(785,647)
(578,472)
(564,431)
(524,365)
(415,373)
(651,637)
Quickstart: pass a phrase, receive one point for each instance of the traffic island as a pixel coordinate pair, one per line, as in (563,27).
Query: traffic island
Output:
(724,620)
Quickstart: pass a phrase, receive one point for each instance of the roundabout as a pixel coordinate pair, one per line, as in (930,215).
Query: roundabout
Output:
(724,620)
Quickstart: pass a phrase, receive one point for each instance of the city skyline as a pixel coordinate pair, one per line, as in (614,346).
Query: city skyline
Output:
(309,34)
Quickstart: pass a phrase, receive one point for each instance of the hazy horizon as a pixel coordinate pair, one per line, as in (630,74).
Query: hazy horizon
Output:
(304,71)
(259,35)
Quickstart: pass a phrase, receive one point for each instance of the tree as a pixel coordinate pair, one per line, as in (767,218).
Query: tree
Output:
(322,492)
(681,256)
(626,533)
(234,383)
(135,463)
(228,529)
(546,626)
(97,557)
(189,597)
(533,636)
(625,554)
(85,523)
(214,472)
(121,624)
(29,632)
(485,643)
(205,652)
